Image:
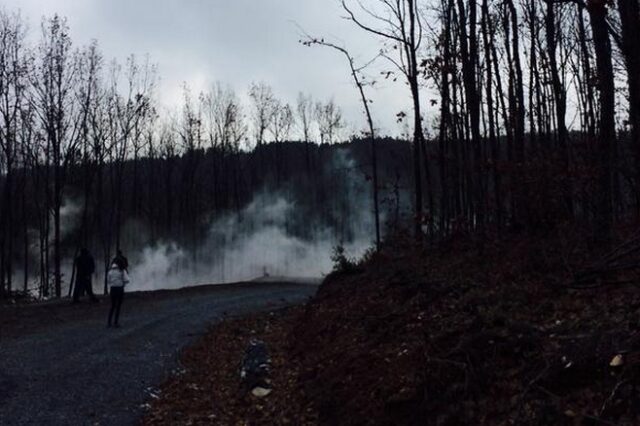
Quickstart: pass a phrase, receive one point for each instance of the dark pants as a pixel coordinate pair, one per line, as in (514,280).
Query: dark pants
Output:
(117,295)
(83,284)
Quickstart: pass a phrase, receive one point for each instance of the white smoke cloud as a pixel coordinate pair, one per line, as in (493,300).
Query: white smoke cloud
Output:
(258,241)
(255,242)
(241,247)
(70,213)
(156,264)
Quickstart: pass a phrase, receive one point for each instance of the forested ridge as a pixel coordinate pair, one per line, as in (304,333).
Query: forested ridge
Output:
(531,120)
(90,159)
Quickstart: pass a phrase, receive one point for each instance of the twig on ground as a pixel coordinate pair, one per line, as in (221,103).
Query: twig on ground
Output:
(527,389)
(612,396)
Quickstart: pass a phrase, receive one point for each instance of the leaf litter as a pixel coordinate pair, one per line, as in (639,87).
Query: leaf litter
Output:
(416,335)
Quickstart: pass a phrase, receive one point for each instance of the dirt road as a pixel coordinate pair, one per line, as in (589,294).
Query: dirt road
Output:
(72,370)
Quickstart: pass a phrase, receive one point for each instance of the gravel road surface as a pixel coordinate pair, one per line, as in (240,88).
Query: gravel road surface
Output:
(78,372)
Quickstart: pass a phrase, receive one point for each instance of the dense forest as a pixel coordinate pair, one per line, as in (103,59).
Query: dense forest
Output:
(534,108)
(535,119)
(89,159)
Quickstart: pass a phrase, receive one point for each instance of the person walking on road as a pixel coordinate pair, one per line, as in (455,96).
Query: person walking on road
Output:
(117,278)
(85,267)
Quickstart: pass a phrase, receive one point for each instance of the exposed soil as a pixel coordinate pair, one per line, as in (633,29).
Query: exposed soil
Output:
(208,388)
(446,336)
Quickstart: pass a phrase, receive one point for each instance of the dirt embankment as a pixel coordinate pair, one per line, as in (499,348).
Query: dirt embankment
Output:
(443,336)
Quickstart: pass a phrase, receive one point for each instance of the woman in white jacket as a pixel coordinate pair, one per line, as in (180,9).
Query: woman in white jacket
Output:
(117,278)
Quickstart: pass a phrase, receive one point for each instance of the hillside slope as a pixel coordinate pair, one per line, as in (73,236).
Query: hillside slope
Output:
(449,336)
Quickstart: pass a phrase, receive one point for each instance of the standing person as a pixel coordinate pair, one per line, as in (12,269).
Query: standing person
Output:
(85,267)
(117,278)
(122,260)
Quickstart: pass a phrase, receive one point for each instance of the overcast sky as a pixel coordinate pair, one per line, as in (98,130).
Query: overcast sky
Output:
(232,41)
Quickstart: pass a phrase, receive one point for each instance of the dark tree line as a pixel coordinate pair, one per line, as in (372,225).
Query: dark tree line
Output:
(534,106)
(89,159)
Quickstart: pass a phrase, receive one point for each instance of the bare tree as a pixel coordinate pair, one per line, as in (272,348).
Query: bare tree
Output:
(305,120)
(469,56)
(190,133)
(13,82)
(360,85)
(223,117)
(89,96)
(598,11)
(54,83)
(304,109)
(398,23)
(282,122)
(329,118)
(225,128)
(130,110)
(630,25)
(263,109)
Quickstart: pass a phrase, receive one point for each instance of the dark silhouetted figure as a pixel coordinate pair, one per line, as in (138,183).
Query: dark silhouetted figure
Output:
(85,267)
(117,278)
(121,260)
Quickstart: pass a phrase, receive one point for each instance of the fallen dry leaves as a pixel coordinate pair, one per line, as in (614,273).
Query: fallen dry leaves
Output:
(445,336)
(207,388)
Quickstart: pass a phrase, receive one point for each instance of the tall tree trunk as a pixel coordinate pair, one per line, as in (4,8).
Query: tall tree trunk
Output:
(418,135)
(57,235)
(559,96)
(445,118)
(630,23)
(586,69)
(598,13)
(469,51)
(559,92)
(487,28)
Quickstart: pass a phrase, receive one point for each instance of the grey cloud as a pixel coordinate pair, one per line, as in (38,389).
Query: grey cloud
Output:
(233,41)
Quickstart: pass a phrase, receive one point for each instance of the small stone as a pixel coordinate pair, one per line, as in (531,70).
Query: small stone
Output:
(617,361)
(260,392)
